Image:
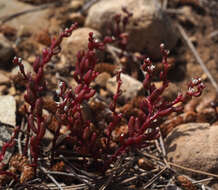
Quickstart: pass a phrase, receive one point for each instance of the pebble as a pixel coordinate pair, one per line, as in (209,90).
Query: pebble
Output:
(130,87)
(194,145)
(147,28)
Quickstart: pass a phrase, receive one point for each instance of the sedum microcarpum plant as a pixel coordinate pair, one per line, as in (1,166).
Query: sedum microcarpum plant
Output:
(88,137)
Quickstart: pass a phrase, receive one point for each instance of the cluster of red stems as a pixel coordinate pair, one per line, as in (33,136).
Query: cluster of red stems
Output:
(85,139)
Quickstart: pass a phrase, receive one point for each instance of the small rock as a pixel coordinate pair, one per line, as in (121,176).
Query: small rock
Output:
(194,145)
(23,32)
(106,67)
(12,91)
(77,17)
(34,21)
(185,182)
(31,58)
(47,139)
(214,186)
(73,84)
(75,5)
(6,53)
(103,93)
(5,136)
(8,31)
(43,37)
(3,89)
(7,116)
(130,87)
(8,109)
(187,16)
(147,29)
(146,164)
(204,77)
(4,79)
(102,79)
(76,42)
(27,68)
(171,92)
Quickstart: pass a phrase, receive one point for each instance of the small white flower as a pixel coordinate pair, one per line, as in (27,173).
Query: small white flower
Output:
(96,41)
(58,92)
(162,45)
(65,108)
(191,90)
(194,81)
(113,37)
(61,100)
(60,84)
(19,60)
(58,103)
(152,67)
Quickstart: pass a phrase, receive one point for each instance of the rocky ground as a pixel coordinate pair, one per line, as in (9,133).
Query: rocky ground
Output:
(185,156)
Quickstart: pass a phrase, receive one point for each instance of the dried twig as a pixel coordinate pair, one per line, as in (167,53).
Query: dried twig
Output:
(196,55)
(135,177)
(19,138)
(153,179)
(163,150)
(173,11)
(193,170)
(70,187)
(164,4)
(73,174)
(89,175)
(158,146)
(203,180)
(116,165)
(51,177)
(181,167)
(162,145)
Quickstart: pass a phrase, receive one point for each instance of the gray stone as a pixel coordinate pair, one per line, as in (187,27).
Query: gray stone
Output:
(7,116)
(76,42)
(4,79)
(5,136)
(171,92)
(102,79)
(194,145)
(34,20)
(7,110)
(147,29)
(130,87)
(75,5)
